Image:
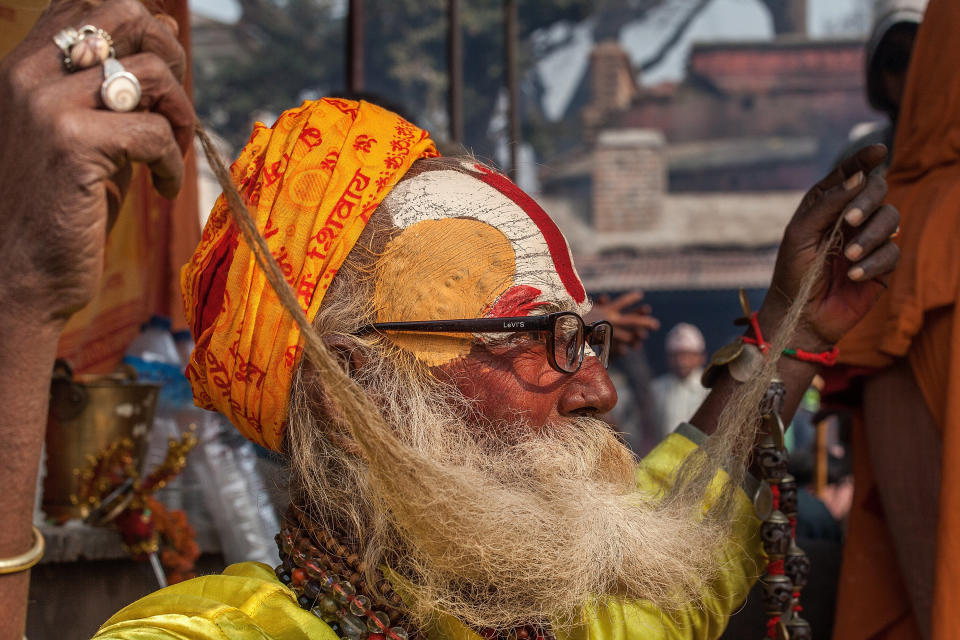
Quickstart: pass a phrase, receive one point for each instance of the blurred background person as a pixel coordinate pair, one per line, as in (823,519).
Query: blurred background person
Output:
(888,53)
(677,394)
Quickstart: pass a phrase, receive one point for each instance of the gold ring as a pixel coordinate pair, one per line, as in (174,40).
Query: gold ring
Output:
(26,559)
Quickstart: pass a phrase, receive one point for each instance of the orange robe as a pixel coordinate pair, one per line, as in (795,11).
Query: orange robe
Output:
(924,180)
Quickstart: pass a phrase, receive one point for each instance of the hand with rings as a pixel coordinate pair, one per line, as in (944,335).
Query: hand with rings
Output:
(92,88)
(85,47)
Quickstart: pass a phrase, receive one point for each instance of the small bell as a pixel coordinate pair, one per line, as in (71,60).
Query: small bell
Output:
(797,565)
(799,629)
(777,594)
(775,533)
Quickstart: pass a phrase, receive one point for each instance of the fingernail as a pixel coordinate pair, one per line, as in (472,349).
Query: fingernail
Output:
(854,216)
(853,251)
(853,181)
(856,273)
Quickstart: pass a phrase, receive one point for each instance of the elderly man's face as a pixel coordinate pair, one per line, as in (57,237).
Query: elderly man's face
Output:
(536,499)
(518,382)
(473,245)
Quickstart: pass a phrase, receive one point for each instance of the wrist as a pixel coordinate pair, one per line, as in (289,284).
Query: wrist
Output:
(28,347)
(20,320)
(770,319)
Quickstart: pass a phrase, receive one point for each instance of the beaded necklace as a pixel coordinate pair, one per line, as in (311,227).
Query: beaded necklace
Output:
(329,581)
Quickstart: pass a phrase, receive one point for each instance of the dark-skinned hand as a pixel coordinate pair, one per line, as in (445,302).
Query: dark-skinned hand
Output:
(632,322)
(855,274)
(66,161)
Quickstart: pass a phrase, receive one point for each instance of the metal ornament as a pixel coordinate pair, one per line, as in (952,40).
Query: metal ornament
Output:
(797,566)
(120,90)
(85,47)
(65,39)
(777,594)
(763,500)
(772,461)
(789,568)
(93,46)
(773,397)
(773,425)
(799,629)
(781,632)
(749,362)
(788,496)
(721,358)
(775,533)
(745,303)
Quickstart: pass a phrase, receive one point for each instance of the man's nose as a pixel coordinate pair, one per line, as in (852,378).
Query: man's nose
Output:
(589,391)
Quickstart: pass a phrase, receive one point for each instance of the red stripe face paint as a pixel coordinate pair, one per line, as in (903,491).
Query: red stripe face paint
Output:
(544,271)
(556,243)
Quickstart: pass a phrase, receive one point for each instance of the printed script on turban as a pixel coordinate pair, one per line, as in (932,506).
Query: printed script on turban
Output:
(311,181)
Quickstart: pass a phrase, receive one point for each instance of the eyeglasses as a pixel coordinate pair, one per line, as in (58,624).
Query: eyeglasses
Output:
(567,335)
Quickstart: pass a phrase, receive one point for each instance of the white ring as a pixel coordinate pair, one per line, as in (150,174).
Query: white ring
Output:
(120,90)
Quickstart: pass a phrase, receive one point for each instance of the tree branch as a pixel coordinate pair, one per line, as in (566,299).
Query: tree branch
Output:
(675,36)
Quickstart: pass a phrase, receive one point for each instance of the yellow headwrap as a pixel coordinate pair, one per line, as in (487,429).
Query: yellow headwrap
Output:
(311,182)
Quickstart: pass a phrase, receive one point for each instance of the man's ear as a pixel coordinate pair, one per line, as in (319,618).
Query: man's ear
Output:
(346,351)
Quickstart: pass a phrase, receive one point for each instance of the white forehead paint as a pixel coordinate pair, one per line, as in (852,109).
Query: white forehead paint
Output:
(440,194)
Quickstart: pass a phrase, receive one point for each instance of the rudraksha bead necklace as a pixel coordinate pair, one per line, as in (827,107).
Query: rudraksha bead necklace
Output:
(329,580)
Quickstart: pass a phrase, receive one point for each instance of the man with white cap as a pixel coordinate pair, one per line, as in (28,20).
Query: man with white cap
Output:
(677,394)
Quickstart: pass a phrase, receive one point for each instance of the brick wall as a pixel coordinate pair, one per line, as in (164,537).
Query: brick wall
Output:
(629,180)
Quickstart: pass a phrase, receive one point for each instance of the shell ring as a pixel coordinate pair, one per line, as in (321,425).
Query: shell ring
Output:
(120,90)
(84,47)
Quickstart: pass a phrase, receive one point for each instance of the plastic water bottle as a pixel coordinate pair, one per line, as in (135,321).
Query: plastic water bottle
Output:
(223,487)
(153,355)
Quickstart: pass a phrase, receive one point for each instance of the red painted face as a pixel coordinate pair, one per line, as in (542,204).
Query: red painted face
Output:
(511,383)
(472,236)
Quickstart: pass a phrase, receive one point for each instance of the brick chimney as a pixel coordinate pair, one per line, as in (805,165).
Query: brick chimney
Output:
(629,178)
(798,10)
(612,84)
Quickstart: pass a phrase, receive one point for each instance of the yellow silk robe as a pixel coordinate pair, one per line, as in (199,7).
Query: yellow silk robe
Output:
(247,602)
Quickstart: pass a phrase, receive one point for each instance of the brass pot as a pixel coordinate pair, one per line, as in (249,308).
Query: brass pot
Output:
(86,415)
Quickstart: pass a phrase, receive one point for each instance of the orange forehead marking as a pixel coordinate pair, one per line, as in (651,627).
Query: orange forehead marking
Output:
(442,270)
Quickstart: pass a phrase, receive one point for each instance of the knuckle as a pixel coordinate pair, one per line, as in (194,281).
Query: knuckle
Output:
(160,39)
(128,10)
(39,104)
(811,198)
(66,130)
(164,143)
(180,57)
(152,66)
(18,78)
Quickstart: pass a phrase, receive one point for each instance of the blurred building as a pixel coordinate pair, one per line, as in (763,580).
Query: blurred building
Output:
(683,190)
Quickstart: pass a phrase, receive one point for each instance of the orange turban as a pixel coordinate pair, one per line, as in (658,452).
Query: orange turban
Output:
(311,182)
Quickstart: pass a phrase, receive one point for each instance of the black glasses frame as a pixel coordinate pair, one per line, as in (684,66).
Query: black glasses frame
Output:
(520,324)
